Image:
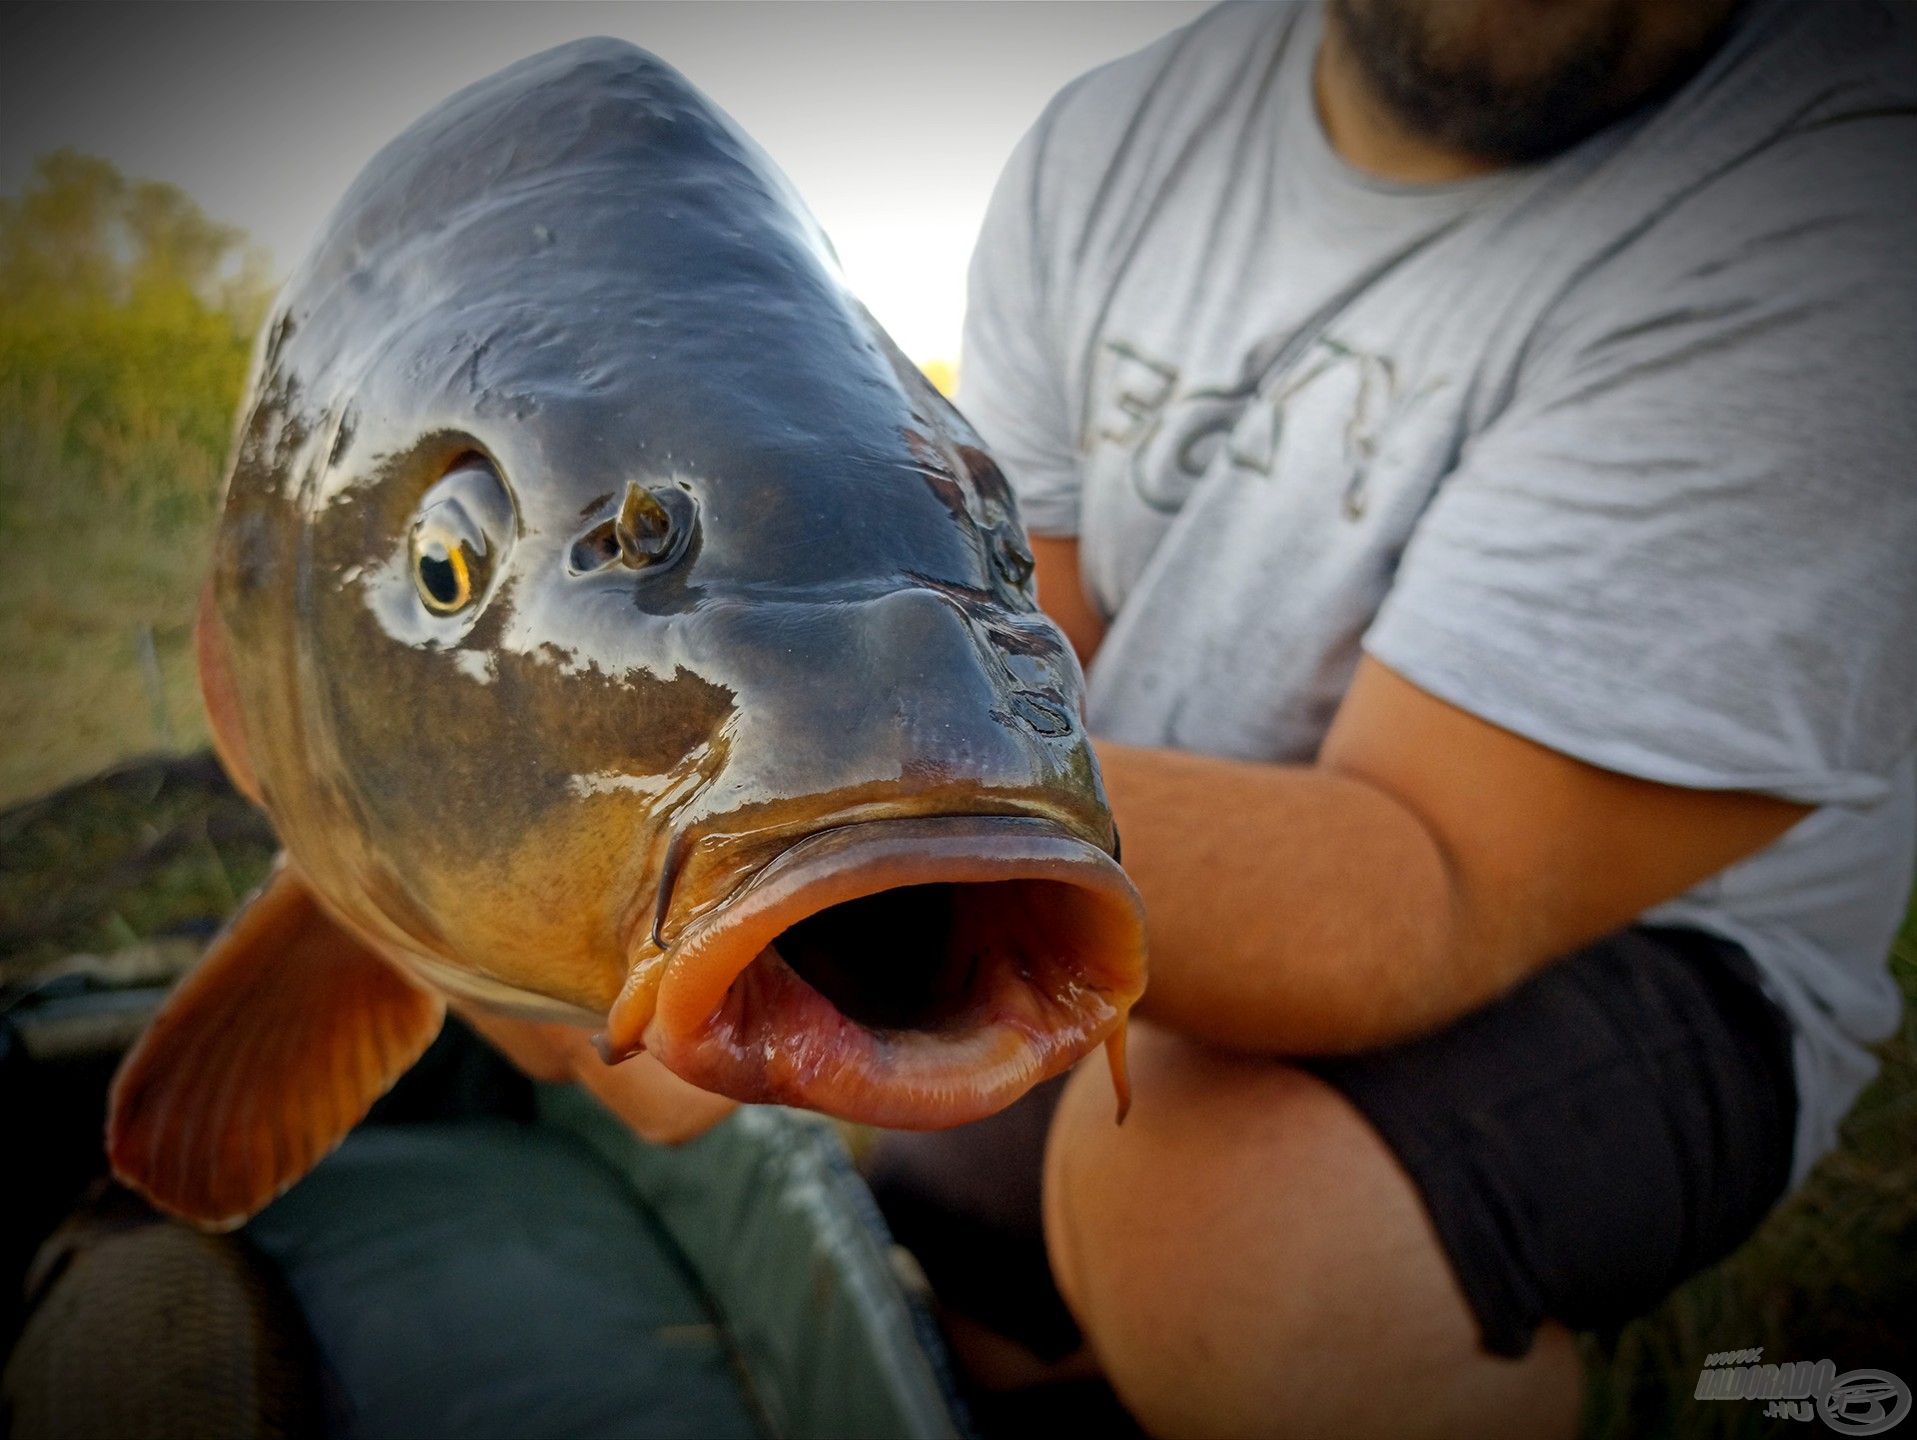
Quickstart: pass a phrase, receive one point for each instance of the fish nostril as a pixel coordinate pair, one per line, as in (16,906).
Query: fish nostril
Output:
(594,551)
(650,530)
(1011,558)
(642,532)
(1041,715)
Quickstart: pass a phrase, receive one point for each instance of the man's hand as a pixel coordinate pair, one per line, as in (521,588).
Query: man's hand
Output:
(1428,862)
(655,1104)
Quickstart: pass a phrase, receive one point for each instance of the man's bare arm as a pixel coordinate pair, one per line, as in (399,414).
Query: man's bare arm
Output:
(1426,863)
(1061,594)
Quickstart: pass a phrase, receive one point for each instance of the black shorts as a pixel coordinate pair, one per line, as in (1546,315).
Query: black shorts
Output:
(1582,1145)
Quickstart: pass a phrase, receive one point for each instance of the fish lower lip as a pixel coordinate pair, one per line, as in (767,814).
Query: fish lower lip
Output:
(906,973)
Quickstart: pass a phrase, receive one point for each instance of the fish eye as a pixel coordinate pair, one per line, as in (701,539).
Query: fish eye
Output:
(463,524)
(443,570)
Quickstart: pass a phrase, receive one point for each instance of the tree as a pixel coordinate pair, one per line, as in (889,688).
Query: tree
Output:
(82,233)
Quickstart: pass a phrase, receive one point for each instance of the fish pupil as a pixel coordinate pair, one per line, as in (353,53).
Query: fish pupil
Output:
(439,577)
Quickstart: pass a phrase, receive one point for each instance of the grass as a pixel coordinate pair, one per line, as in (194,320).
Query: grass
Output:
(124,338)
(154,849)
(99,572)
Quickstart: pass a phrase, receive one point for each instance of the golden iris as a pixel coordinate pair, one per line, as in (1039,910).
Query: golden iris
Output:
(444,573)
(456,542)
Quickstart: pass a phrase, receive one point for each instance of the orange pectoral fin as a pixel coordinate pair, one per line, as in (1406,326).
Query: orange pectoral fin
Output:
(262,1059)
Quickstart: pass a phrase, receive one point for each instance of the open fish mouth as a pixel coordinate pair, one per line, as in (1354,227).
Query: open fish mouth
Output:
(912,974)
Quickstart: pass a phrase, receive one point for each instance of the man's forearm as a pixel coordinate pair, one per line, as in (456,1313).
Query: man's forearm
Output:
(1292,909)
(1426,864)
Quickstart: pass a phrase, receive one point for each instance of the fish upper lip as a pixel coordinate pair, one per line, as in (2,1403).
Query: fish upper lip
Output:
(777,842)
(880,829)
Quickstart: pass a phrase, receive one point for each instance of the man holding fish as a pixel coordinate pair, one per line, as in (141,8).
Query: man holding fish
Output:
(1469,451)
(1470,445)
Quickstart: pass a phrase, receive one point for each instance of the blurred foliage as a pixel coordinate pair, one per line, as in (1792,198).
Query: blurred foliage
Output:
(123,305)
(152,849)
(126,318)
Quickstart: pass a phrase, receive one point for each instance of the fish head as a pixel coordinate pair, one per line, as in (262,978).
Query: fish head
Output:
(616,626)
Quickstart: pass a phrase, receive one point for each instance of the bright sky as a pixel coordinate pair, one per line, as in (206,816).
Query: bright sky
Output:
(892,118)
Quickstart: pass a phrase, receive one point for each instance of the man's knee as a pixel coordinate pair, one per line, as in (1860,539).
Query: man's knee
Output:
(1181,1240)
(1246,1257)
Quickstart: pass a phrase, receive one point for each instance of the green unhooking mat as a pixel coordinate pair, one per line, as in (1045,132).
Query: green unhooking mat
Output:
(489,1278)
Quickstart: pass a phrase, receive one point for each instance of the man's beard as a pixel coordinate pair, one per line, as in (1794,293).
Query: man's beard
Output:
(1445,93)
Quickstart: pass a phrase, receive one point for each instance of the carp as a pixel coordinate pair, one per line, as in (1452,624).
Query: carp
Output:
(618,630)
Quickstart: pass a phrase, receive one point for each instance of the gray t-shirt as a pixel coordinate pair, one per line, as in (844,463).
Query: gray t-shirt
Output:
(1615,452)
